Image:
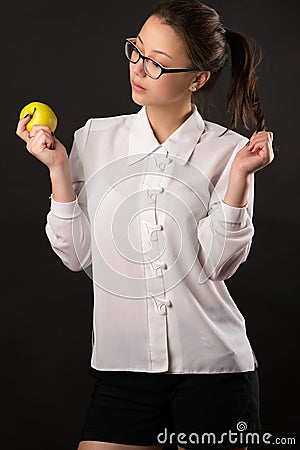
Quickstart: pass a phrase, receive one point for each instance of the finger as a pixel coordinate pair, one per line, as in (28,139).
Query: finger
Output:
(21,127)
(262,142)
(265,153)
(41,132)
(261,146)
(252,144)
(262,133)
(265,138)
(256,148)
(267,134)
(53,145)
(40,141)
(254,134)
(36,128)
(259,134)
(249,143)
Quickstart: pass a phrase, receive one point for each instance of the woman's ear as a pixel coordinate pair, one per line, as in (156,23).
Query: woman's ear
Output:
(200,80)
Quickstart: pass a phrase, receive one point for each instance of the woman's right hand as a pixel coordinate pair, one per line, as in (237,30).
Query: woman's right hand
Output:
(42,144)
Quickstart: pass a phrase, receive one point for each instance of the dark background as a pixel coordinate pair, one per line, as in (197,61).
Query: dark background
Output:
(71,57)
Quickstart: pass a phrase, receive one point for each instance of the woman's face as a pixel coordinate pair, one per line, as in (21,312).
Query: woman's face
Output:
(153,38)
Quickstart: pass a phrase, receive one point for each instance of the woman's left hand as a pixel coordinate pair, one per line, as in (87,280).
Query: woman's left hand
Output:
(256,155)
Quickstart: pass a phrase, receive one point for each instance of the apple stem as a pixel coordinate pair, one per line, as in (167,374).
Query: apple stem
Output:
(30,115)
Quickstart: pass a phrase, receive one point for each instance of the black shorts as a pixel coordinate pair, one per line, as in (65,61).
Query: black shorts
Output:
(191,410)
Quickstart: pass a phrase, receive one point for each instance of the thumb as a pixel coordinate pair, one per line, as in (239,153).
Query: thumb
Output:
(253,134)
(21,128)
(25,120)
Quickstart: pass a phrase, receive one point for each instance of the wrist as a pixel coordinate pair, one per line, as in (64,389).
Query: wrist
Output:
(237,174)
(61,170)
(237,189)
(61,181)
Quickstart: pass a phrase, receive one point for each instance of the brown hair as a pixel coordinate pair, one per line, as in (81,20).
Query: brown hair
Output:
(207,43)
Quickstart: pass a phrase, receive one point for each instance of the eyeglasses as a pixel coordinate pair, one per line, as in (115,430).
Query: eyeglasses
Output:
(151,67)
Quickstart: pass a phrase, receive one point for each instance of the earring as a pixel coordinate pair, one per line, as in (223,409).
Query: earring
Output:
(194,88)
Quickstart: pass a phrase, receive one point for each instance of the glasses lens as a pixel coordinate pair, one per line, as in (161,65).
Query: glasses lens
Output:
(131,52)
(152,68)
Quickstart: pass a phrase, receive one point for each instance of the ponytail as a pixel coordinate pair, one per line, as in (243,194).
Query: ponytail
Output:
(208,44)
(242,96)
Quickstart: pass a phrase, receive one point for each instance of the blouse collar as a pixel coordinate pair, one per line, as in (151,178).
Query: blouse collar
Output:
(181,143)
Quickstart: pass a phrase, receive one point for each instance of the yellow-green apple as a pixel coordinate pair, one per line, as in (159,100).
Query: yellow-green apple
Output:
(41,114)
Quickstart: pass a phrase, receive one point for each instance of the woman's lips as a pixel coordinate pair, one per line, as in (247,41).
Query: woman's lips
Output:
(137,87)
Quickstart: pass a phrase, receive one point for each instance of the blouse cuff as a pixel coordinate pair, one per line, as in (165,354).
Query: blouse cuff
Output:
(68,210)
(231,216)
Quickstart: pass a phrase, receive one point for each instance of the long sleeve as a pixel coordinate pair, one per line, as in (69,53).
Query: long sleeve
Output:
(68,227)
(156,230)
(225,234)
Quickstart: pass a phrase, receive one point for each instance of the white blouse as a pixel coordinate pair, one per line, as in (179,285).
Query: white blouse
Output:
(150,226)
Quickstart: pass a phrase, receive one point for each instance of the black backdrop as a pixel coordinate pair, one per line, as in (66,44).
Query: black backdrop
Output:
(71,57)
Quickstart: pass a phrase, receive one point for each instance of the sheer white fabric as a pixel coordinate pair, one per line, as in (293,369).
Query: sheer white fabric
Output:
(152,222)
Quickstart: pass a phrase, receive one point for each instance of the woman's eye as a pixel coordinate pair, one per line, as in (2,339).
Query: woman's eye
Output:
(155,64)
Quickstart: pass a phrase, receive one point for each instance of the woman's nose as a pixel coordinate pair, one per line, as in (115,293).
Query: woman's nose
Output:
(139,69)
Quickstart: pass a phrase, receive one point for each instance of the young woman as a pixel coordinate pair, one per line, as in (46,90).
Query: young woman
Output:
(160,203)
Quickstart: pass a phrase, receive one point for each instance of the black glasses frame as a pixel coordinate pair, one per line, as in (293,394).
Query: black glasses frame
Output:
(163,69)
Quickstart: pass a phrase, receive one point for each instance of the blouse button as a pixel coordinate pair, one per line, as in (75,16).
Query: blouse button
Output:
(161,164)
(153,192)
(157,268)
(152,229)
(154,237)
(161,304)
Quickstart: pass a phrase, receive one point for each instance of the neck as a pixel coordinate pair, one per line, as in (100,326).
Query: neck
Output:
(164,120)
